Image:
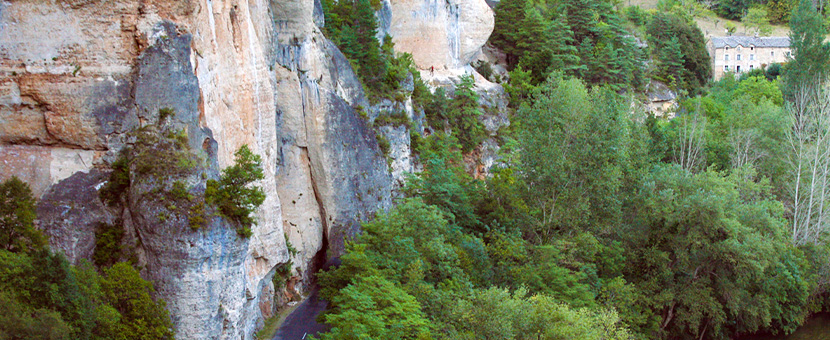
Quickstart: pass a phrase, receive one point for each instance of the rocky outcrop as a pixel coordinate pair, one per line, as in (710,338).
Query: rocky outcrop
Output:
(325,143)
(439,34)
(74,202)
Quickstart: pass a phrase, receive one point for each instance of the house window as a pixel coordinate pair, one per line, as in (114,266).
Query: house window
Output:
(772,53)
(738,57)
(725,68)
(727,48)
(788,54)
(751,57)
(725,57)
(738,68)
(751,67)
(752,48)
(739,48)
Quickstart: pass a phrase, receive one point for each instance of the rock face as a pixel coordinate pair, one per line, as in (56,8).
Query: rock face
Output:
(77,76)
(440,34)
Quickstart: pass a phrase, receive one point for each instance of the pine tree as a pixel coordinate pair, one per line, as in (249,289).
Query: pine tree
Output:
(505,34)
(671,63)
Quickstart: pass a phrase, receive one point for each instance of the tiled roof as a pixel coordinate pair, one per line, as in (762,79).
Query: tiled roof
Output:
(734,41)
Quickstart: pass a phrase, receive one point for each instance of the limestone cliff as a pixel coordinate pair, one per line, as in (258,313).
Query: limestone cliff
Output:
(77,76)
(443,35)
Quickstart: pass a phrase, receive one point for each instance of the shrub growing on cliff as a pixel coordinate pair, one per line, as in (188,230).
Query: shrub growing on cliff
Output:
(460,114)
(351,25)
(108,247)
(118,183)
(157,154)
(233,195)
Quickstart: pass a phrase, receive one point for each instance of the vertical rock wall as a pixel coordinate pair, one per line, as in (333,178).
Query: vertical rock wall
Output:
(76,76)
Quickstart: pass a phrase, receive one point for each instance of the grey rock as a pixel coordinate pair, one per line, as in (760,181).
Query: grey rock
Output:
(384,19)
(200,273)
(318,17)
(70,212)
(400,155)
(165,80)
(361,179)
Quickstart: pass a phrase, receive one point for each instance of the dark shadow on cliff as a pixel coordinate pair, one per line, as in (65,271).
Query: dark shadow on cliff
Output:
(302,322)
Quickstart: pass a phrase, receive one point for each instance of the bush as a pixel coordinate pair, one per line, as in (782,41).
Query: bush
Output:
(636,15)
(141,317)
(383,143)
(394,119)
(415,141)
(165,113)
(484,69)
(156,155)
(233,196)
(108,249)
(119,181)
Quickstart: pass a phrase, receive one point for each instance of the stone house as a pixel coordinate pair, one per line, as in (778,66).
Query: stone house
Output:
(738,54)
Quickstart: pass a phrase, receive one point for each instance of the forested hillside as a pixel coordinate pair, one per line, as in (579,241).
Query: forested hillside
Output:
(187,169)
(600,221)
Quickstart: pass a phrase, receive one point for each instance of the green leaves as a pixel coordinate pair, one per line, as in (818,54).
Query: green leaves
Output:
(17,216)
(579,38)
(756,17)
(372,307)
(758,89)
(129,295)
(108,248)
(233,195)
(680,52)
(708,246)
(463,115)
(810,62)
(574,150)
(351,25)
(495,313)
(46,298)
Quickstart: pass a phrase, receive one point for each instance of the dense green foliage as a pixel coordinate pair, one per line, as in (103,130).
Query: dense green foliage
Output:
(580,38)
(680,51)
(707,247)
(732,9)
(108,244)
(576,184)
(17,217)
(811,55)
(459,114)
(591,41)
(42,296)
(233,193)
(600,223)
